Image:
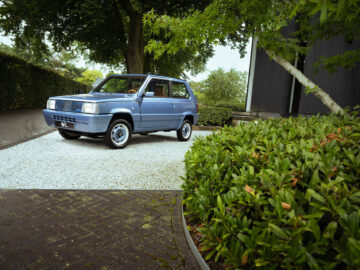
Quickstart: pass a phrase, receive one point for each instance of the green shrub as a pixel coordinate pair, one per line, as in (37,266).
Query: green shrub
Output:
(234,106)
(214,116)
(282,193)
(24,86)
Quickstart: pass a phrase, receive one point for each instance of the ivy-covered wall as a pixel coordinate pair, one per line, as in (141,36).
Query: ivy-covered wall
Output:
(24,85)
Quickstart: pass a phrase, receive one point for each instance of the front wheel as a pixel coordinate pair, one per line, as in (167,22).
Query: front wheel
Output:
(118,134)
(184,133)
(68,135)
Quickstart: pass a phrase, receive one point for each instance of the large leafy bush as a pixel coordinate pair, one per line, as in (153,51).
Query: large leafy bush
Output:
(282,193)
(233,105)
(24,85)
(214,116)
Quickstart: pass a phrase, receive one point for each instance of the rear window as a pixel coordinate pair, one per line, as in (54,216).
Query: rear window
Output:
(179,90)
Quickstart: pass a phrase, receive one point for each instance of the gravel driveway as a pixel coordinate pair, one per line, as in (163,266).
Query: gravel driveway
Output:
(51,162)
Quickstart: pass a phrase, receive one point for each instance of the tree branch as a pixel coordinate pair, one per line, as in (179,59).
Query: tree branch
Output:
(307,83)
(126,5)
(121,24)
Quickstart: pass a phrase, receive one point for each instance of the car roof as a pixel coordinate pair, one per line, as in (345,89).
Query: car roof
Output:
(148,75)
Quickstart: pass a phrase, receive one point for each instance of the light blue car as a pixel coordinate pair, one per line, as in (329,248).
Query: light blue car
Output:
(122,105)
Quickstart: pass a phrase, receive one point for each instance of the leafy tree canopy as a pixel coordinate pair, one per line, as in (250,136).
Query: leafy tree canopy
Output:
(222,86)
(90,76)
(111,31)
(235,21)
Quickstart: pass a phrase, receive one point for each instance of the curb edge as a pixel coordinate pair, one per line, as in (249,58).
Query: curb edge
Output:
(5,146)
(200,260)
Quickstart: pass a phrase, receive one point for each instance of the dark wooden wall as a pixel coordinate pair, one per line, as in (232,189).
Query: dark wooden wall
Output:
(343,86)
(272,84)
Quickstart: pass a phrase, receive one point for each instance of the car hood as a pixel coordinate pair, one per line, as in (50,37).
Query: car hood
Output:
(97,97)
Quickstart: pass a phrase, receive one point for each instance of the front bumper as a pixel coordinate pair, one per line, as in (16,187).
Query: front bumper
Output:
(87,123)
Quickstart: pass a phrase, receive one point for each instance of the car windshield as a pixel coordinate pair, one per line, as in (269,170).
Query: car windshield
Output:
(121,85)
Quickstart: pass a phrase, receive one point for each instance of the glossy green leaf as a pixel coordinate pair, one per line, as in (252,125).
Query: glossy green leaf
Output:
(312,193)
(220,205)
(277,231)
(261,262)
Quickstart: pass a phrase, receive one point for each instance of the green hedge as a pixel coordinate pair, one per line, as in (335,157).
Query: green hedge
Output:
(214,116)
(234,106)
(24,86)
(278,194)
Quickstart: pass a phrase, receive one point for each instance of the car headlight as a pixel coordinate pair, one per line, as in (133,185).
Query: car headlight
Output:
(50,104)
(88,107)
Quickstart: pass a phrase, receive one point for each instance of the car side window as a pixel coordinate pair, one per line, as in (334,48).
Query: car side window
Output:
(160,88)
(179,90)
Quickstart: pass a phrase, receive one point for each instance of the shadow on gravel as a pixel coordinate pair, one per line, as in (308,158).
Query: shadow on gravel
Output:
(150,138)
(136,139)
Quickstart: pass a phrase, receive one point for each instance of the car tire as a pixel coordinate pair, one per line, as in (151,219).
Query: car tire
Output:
(118,134)
(184,133)
(68,134)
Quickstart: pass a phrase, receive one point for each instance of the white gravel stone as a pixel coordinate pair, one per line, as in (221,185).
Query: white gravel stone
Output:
(151,162)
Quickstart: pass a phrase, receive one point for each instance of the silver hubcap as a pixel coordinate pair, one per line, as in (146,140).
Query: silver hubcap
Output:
(119,134)
(186,130)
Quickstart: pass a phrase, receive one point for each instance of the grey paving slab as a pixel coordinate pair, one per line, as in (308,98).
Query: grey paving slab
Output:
(92,229)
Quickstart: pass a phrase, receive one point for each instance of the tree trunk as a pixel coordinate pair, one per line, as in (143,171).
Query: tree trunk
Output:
(307,83)
(135,51)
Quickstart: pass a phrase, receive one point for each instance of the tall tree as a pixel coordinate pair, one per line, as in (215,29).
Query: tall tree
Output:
(221,86)
(235,21)
(226,86)
(111,31)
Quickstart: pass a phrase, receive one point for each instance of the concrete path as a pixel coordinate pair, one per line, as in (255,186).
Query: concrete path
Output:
(20,126)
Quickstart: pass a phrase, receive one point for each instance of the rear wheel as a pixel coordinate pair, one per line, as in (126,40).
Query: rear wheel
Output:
(118,134)
(68,134)
(184,133)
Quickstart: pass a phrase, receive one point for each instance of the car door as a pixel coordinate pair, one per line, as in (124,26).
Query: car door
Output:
(157,108)
(181,101)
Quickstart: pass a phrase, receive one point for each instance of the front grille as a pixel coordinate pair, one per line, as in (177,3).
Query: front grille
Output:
(59,105)
(64,118)
(76,106)
(68,106)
